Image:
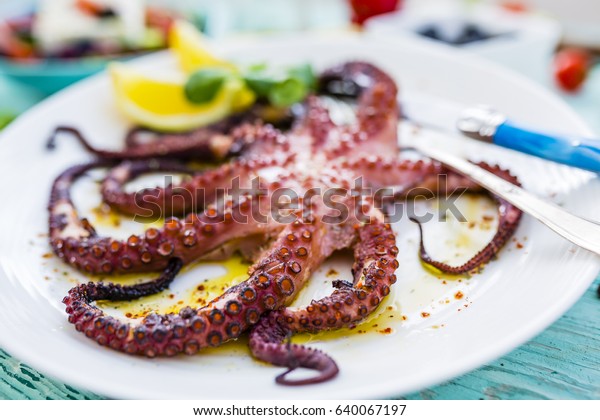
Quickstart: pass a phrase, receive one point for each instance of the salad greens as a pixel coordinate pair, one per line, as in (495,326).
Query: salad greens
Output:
(280,86)
(205,84)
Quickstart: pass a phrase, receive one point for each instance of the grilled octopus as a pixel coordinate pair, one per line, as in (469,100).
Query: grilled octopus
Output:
(317,163)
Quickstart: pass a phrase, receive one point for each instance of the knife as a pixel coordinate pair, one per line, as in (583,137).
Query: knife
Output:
(486,124)
(580,231)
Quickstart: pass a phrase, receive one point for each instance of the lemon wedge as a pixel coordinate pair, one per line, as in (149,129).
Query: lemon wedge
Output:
(191,49)
(161,103)
(193,53)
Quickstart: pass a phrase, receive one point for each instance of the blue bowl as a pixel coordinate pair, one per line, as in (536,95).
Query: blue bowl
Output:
(49,76)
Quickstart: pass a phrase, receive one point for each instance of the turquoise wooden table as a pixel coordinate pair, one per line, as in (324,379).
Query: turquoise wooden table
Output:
(563,362)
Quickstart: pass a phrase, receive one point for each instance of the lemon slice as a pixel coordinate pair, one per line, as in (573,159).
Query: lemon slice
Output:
(161,103)
(191,49)
(192,52)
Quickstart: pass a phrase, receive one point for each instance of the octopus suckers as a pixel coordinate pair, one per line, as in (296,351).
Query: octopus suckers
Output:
(316,155)
(233,308)
(248,295)
(286,285)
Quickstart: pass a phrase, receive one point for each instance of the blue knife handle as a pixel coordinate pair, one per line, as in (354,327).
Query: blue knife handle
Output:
(569,150)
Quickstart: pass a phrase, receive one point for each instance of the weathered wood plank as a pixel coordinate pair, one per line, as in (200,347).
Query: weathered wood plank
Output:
(19,381)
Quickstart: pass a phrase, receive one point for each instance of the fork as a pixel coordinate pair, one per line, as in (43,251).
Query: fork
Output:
(580,231)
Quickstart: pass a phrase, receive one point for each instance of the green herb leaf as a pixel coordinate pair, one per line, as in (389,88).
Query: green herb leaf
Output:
(287,92)
(260,83)
(281,86)
(205,84)
(306,74)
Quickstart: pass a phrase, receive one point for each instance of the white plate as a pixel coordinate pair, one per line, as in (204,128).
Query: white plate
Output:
(534,280)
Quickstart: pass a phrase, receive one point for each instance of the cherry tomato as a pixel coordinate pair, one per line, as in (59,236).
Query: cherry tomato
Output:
(571,67)
(364,9)
(515,6)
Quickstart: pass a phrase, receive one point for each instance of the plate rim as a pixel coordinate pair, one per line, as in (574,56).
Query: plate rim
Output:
(385,388)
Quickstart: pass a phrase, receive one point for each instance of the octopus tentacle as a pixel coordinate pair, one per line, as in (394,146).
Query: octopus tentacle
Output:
(263,146)
(272,284)
(260,139)
(357,79)
(316,155)
(60,206)
(190,195)
(75,241)
(317,122)
(114,194)
(396,175)
(375,264)
(268,343)
(508,221)
(210,143)
(215,142)
(116,292)
(376,128)
(410,178)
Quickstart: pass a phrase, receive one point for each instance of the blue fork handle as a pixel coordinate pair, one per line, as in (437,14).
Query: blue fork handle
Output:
(570,150)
